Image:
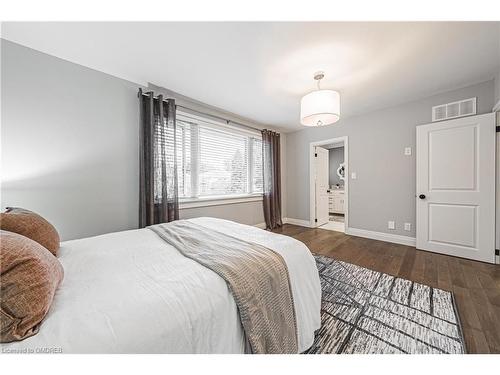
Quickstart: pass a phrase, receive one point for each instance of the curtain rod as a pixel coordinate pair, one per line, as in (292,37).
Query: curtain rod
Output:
(219,118)
(208,114)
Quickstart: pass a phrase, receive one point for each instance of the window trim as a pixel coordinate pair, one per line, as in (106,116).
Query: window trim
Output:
(186,203)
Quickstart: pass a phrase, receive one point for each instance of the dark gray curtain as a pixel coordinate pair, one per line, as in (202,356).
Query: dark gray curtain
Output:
(158,199)
(272,178)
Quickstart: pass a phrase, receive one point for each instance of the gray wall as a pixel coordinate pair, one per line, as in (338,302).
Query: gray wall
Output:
(336,157)
(69,143)
(497,86)
(70,146)
(246,213)
(385,185)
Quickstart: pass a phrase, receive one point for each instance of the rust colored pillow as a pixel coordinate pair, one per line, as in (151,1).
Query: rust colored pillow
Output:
(29,277)
(31,225)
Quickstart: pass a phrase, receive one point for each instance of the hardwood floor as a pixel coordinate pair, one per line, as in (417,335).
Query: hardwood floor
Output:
(476,285)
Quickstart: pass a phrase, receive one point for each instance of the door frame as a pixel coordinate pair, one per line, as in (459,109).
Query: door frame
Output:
(312,190)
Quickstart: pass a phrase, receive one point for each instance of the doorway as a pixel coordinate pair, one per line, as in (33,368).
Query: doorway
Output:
(329,207)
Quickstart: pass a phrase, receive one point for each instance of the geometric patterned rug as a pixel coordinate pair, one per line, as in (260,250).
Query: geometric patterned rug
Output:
(365,312)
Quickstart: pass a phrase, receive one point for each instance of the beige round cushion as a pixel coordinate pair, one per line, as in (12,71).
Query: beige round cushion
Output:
(29,275)
(31,225)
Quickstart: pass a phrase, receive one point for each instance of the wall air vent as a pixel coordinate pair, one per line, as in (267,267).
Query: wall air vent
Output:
(448,111)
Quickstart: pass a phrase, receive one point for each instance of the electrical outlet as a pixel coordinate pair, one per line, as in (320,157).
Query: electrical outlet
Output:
(391,225)
(407,151)
(353,175)
(408,226)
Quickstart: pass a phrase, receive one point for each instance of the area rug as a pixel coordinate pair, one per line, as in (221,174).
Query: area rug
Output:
(367,312)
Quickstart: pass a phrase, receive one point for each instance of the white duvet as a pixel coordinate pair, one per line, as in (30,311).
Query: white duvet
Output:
(130,292)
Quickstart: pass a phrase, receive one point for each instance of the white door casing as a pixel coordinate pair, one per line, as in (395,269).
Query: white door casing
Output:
(455,189)
(322,185)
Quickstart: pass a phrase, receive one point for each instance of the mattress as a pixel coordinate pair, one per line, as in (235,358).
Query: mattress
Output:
(130,292)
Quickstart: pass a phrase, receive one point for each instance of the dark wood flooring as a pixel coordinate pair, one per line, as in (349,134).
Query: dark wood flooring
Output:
(476,285)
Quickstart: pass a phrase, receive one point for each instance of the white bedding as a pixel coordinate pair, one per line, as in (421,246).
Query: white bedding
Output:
(130,292)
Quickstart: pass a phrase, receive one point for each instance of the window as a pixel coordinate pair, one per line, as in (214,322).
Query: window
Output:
(214,160)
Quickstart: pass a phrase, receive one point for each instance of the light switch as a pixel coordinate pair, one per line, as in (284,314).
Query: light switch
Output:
(407,151)
(391,225)
(353,175)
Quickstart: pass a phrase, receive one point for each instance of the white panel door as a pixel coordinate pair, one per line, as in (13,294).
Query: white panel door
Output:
(456,187)
(322,185)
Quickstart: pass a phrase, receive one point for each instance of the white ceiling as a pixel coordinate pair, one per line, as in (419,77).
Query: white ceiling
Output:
(260,70)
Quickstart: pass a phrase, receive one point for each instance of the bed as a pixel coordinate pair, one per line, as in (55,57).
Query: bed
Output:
(130,292)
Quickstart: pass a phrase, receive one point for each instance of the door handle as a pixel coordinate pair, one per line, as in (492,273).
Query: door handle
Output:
(422,196)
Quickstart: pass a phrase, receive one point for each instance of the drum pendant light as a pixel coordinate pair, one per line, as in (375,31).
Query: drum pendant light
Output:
(320,107)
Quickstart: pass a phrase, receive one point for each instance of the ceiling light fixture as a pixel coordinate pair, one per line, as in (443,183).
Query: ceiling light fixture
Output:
(320,107)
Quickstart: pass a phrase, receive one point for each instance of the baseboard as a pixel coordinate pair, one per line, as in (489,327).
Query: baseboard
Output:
(300,222)
(260,225)
(380,236)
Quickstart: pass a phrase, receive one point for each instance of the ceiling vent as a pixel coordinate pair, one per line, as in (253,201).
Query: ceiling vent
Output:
(447,111)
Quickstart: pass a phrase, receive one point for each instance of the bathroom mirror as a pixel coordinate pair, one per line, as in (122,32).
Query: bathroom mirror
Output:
(341,171)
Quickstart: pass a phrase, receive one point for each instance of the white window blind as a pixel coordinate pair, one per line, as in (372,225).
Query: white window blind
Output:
(217,162)
(257,175)
(223,163)
(183,145)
